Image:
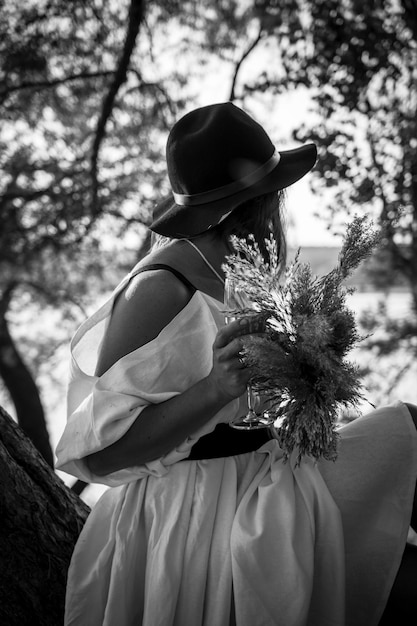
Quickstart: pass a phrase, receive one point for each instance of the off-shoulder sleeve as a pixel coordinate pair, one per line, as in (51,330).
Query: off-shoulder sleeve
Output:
(101,409)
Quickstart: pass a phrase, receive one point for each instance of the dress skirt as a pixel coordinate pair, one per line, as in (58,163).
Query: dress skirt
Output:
(317,545)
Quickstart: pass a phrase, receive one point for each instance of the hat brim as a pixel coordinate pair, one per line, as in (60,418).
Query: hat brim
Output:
(174,220)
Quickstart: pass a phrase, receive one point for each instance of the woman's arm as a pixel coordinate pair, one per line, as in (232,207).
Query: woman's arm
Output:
(138,317)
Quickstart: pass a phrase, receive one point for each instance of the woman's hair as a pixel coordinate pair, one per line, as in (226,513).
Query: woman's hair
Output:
(259,217)
(158,241)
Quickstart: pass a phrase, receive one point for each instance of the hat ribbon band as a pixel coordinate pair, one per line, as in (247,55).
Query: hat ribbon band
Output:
(228,190)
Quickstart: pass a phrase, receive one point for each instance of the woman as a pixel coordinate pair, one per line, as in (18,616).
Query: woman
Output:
(205,524)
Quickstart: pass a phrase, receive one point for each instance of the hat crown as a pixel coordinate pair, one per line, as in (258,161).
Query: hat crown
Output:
(215,146)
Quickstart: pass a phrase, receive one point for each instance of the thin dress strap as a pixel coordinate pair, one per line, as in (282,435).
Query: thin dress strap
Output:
(204,259)
(162,266)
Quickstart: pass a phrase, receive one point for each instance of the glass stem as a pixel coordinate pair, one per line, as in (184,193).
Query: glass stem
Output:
(251,404)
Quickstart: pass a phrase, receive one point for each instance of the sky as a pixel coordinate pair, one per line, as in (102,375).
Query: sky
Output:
(304,227)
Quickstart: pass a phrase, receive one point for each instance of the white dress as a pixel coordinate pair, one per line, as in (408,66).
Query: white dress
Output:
(171,541)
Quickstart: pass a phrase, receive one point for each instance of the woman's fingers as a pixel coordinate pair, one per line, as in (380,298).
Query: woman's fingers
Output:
(231,331)
(231,350)
(239,328)
(229,372)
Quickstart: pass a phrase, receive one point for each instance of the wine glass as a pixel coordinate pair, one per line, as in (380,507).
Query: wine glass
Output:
(234,300)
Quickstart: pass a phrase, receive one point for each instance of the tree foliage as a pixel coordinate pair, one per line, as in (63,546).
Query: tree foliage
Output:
(359,61)
(79,152)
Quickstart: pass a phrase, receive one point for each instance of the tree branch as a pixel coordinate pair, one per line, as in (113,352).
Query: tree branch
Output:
(5,90)
(6,297)
(24,393)
(387,223)
(136,11)
(239,63)
(156,87)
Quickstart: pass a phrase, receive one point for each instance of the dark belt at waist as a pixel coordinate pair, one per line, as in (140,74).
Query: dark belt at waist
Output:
(227,441)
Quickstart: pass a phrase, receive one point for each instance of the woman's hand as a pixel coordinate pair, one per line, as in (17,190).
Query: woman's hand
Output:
(229,375)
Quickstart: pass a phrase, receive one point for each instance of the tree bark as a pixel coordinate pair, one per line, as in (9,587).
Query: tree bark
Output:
(40,520)
(23,392)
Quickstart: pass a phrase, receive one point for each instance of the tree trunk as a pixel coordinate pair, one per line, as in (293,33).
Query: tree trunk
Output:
(24,393)
(40,520)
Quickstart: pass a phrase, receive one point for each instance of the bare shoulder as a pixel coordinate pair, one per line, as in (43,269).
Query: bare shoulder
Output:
(150,302)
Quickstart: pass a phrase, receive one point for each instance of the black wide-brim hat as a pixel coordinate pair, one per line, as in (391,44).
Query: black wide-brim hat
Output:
(217,158)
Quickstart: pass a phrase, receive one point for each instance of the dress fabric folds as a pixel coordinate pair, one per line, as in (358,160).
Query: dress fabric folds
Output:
(246,540)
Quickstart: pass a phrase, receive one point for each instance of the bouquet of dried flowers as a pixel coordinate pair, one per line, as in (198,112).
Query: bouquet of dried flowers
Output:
(299,364)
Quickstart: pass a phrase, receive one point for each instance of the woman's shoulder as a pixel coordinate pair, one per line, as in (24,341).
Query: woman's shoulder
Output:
(147,304)
(172,259)
(174,255)
(189,265)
